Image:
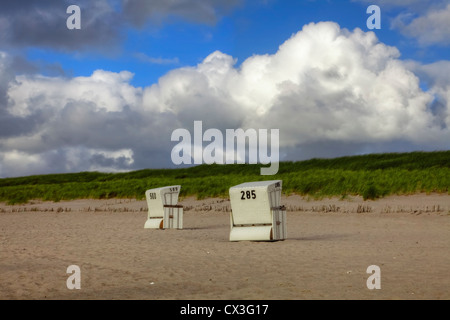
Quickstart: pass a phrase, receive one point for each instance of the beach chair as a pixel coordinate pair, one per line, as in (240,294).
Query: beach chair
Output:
(256,213)
(163,210)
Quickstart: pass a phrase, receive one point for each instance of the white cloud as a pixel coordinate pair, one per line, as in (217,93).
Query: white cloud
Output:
(340,86)
(106,90)
(330,91)
(432,28)
(437,77)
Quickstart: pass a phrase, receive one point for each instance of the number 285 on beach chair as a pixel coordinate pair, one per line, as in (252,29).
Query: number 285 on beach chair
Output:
(163,210)
(256,213)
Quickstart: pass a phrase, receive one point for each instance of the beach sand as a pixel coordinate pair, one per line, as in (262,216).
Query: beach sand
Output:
(330,245)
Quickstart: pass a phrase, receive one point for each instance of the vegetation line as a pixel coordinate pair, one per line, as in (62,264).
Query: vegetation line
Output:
(371,176)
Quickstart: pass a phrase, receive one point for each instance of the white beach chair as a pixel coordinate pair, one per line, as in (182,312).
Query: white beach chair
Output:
(256,214)
(163,211)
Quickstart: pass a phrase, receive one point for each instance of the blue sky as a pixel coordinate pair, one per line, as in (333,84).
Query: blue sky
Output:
(108,96)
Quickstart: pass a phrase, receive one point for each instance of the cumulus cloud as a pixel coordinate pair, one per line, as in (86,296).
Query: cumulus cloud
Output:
(329,90)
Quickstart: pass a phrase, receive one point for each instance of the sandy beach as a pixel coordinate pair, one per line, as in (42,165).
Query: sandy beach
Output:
(330,245)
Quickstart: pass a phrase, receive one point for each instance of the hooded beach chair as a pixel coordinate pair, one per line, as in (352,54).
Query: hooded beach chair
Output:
(163,210)
(256,213)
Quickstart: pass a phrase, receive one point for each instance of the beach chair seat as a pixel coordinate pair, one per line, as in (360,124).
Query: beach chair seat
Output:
(173,217)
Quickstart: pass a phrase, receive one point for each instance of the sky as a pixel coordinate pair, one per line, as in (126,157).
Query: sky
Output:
(108,95)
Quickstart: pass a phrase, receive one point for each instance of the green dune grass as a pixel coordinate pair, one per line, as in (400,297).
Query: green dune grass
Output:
(371,176)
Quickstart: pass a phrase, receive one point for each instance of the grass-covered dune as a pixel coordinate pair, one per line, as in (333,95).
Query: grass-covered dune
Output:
(371,176)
